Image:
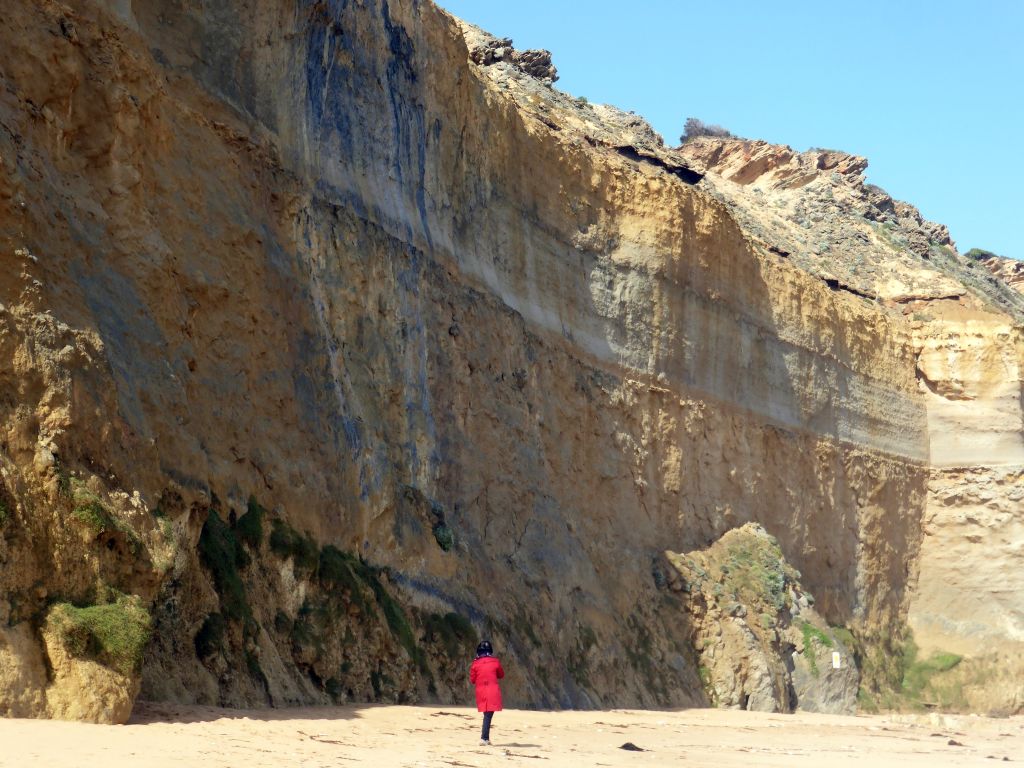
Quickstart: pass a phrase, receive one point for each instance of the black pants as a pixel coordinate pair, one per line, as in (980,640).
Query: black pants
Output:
(485,734)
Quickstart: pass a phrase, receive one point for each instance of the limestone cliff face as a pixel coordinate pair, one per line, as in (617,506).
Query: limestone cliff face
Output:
(968,600)
(965,318)
(328,350)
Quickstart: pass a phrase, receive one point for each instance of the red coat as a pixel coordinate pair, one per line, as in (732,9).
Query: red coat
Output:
(485,674)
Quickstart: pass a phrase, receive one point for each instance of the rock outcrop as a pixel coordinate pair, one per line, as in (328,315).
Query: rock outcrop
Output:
(332,341)
(486,50)
(759,641)
(1010,271)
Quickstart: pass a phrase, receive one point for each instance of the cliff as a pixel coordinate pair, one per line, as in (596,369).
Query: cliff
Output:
(1010,271)
(964,314)
(334,338)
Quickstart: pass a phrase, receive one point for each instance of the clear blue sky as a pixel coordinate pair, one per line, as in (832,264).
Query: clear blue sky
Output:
(932,93)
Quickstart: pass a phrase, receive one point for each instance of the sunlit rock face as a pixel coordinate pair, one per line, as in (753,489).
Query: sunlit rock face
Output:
(967,340)
(332,348)
(968,599)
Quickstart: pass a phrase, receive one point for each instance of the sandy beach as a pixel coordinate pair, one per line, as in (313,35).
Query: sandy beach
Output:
(409,737)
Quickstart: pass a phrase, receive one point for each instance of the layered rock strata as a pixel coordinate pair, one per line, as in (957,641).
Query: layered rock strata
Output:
(473,353)
(968,598)
(966,321)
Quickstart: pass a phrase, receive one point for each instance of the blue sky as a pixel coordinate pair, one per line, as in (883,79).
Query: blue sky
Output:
(932,93)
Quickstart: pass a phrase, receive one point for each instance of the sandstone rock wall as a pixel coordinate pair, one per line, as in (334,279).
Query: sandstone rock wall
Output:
(968,599)
(966,324)
(493,346)
(970,369)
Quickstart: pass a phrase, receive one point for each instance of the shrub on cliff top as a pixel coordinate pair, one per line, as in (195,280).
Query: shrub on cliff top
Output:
(980,254)
(755,571)
(114,634)
(694,127)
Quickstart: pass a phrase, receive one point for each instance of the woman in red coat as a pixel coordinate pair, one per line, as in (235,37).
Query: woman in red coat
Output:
(485,674)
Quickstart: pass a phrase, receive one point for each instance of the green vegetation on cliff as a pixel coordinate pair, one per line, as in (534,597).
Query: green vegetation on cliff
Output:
(453,632)
(754,572)
(916,683)
(811,635)
(221,552)
(980,254)
(345,598)
(286,542)
(89,510)
(114,634)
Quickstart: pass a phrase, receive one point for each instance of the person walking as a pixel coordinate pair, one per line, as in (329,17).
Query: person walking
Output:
(485,673)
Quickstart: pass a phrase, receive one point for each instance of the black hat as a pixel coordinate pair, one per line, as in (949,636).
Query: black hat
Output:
(484,648)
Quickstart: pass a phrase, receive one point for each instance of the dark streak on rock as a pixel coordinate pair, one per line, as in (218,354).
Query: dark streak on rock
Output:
(835,285)
(683,172)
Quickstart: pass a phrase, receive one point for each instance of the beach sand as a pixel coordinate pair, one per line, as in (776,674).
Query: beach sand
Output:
(162,735)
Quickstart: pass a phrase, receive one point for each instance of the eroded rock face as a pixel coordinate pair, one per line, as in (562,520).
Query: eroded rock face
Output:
(967,601)
(1010,271)
(760,645)
(817,210)
(485,50)
(480,351)
(22,673)
(966,325)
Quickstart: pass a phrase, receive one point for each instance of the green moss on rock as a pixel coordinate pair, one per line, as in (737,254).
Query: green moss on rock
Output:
(453,632)
(444,536)
(94,516)
(222,555)
(342,572)
(113,634)
(286,542)
(90,511)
